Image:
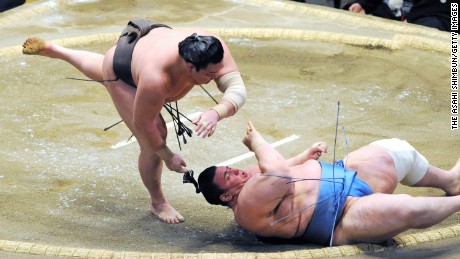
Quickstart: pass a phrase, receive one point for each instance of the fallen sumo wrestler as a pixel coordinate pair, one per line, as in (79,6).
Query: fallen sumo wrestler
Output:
(345,202)
(336,185)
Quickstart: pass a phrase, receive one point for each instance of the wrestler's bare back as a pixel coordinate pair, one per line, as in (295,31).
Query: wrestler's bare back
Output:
(156,60)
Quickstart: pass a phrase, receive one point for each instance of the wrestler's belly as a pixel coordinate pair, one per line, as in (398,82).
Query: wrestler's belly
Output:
(286,223)
(293,215)
(307,208)
(306,193)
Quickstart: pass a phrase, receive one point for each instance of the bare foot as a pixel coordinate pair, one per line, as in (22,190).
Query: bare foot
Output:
(455,170)
(33,46)
(166,213)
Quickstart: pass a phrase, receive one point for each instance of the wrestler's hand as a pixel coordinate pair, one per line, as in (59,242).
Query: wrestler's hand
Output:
(316,150)
(252,139)
(176,163)
(356,8)
(206,124)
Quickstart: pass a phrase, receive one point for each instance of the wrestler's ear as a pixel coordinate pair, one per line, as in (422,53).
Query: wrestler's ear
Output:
(190,67)
(225,197)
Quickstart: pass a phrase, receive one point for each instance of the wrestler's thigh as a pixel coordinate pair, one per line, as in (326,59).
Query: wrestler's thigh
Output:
(375,166)
(122,94)
(373,218)
(123,98)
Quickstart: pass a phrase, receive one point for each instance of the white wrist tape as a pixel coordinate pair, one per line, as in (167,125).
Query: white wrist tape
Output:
(221,109)
(165,153)
(232,86)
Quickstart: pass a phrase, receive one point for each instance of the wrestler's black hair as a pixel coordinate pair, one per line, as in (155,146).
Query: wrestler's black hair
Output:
(201,51)
(210,190)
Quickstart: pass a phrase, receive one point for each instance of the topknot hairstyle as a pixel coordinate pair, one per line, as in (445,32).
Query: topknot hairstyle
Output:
(210,190)
(201,51)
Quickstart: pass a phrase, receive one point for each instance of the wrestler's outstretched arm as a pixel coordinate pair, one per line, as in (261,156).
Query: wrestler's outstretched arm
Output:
(269,159)
(262,193)
(313,152)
